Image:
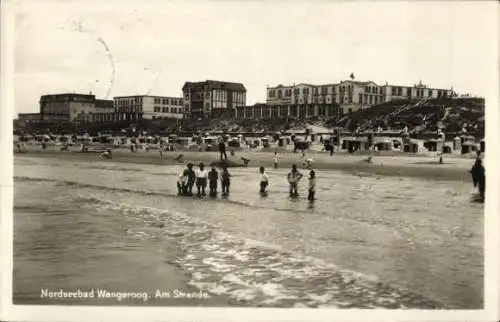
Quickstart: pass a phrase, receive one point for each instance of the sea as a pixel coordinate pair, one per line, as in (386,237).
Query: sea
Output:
(118,230)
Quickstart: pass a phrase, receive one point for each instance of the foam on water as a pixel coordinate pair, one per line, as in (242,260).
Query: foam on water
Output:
(254,273)
(254,250)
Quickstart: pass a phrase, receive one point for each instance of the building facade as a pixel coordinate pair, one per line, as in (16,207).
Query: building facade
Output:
(212,99)
(417,91)
(134,108)
(29,118)
(104,112)
(338,99)
(73,108)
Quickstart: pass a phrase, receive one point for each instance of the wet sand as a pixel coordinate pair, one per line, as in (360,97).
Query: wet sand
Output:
(453,168)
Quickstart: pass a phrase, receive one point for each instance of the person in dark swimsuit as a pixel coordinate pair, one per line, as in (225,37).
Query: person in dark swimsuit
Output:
(213,177)
(225,180)
(191,179)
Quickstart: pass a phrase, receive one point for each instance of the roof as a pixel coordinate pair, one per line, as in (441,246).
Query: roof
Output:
(358,82)
(213,84)
(66,96)
(134,96)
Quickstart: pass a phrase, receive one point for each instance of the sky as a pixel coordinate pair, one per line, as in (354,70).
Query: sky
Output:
(118,48)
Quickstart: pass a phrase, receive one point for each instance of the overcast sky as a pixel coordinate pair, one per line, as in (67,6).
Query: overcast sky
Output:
(154,47)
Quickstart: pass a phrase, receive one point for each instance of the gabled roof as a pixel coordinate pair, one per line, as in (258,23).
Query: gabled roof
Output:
(359,83)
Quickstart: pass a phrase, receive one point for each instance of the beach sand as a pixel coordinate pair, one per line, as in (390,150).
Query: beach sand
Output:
(453,168)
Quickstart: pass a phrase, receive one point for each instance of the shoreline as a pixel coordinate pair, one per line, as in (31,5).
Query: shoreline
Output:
(453,169)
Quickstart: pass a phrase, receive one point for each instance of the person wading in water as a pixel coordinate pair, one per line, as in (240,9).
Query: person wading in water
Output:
(213,177)
(191,179)
(201,180)
(225,180)
(293,179)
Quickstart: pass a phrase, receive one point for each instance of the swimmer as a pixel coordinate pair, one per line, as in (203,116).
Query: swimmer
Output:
(294,177)
(225,180)
(213,177)
(191,179)
(264,181)
(201,180)
(312,185)
(182,182)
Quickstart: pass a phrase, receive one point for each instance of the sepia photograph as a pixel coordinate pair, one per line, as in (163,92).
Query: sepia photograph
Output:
(318,158)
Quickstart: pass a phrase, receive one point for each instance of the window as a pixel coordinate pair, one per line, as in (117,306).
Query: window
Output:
(279,94)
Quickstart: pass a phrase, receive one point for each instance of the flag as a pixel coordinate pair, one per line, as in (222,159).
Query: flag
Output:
(351,76)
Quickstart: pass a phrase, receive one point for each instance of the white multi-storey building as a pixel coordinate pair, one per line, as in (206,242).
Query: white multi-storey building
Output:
(306,100)
(148,107)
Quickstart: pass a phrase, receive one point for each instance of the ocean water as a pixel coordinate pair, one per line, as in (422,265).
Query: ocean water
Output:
(367,241)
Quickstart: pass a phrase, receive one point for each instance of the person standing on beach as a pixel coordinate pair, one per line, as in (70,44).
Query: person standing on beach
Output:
(191,179)
(264,181)
(201,180)
(276,159)
(213,177)
(225,180)
(294,177)
(312,185)
(222,149)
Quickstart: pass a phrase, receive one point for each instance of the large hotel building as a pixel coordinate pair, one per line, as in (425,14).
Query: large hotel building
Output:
(135,108)
(212,99)
(332,100)
(75,108)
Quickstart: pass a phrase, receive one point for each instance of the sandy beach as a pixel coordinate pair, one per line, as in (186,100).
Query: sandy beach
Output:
(427,167)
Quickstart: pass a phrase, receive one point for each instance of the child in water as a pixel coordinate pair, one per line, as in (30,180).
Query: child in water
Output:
(312,185)
(294,177)
(225,180)
(213,177)
(182,182)
(264,180)
(201,180)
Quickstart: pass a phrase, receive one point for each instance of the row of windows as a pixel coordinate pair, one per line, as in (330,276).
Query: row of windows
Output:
(322,91)
(398,91)
(239,97)
(250,112)
(168,101)
(174,110)
(130,109)
(219,95)
(128,101)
